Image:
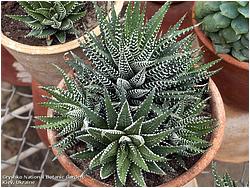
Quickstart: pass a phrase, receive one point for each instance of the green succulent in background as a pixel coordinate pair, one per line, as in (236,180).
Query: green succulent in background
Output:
(226,23)
(139,103)
(50,19)
(224,181)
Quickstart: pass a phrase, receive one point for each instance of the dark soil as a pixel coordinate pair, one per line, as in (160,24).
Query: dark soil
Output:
(18,30)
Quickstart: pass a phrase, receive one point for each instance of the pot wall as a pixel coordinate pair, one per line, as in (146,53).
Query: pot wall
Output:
(8,72)
(40,65)
(233,80)
(39,110)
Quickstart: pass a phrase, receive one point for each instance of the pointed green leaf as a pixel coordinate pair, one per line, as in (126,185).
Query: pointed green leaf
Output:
(87,138)
(21,18)
(113,135)
(111,114)
(95,162)
(107,170)
(149,155)
(144,108)
(109,151)
(154,168)
(76,16)
(167,150)
(152,124)
(124,117)
(35,14)
(35,4)
(47,119)
(137,140)
(61,36)
(66,24)
(25,4)
(137,176)
(45,33)
(45,4)
(122,164)
(135,128)
(60,9)
(156,138)
(55,126)
(153,25)
(84,154)
(118,183)
(98,134)
(69,6)
(33,33)
(64,96)
(45,12)
(94,117)
(136,157)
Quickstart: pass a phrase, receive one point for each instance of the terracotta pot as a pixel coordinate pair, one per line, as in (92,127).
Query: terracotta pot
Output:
(38,59)
(218,112)
(175,12)
(8,72)
(232,80)
(39,110)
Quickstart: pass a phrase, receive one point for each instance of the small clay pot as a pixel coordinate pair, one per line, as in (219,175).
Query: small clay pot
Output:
(38,60)
(218,113)
(8,72)
(233,80)
(39,110)
(176,11)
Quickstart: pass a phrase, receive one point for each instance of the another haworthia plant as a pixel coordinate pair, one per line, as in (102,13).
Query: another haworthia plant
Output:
(226,23)
(224,181)
(153,107)
(50,19)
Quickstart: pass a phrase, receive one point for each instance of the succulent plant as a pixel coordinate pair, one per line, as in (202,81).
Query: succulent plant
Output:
(50,19)
(137,88)
(129,61)
(123,141)
(224,181)
(226,23)
(130,57)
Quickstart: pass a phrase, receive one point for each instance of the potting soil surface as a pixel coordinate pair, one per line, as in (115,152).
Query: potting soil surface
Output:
(17,31)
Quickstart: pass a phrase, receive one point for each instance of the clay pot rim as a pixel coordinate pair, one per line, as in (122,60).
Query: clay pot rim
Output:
(216,139)
(54,49)
(207,42)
